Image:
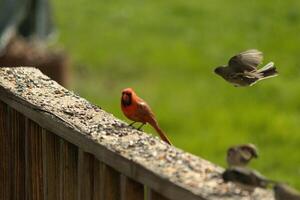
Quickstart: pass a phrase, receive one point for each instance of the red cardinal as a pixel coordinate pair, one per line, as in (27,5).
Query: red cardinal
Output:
(137,110)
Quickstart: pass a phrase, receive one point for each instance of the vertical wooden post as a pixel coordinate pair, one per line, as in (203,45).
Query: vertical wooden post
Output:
(86,175)
(34,161)
(51,157)
(17,132)
(5,155)
(69,169)
(131,190)
(97,192)
(110,183)
(152,195)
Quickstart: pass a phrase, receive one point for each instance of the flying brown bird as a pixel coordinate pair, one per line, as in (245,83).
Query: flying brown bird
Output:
(241,69)
(285,192)
(241,155)
(137,110)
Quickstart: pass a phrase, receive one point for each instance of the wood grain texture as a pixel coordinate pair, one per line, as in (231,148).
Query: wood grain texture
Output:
(152,195)
(34,161)
(17,132)
(69,161)
(131,190)
(110,183)
(5,154)
(86,175)
(52,173)
(97,181)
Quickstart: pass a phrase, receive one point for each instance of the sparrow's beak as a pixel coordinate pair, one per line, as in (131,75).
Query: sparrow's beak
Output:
(255,155)
(218,70)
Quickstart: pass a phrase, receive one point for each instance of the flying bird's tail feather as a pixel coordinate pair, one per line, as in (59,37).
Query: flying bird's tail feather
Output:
(267,66)
(268,71)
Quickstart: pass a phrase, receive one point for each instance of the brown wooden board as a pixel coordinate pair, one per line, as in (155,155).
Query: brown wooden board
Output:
(51,165)
(86,175)
(69,171)
(97,181)
(34,161)
(152,195)
(131,190)
(110,183)
(5,154)
(17,132)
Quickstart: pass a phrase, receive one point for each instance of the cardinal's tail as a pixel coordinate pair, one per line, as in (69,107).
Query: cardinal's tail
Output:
(162,135)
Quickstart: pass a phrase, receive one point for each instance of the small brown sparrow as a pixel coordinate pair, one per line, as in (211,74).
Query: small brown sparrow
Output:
(241,69)
(241,155)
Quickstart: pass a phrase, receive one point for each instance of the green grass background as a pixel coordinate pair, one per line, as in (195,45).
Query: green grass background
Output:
(167,50)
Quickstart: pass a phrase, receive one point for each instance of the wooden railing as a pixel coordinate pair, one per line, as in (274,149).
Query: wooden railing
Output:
(56,145)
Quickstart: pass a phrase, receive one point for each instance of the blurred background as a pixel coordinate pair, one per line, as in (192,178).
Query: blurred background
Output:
(167,50)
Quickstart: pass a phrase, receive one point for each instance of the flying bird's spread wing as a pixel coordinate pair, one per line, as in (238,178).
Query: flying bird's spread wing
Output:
(251,149)
(246,155)
(246,61)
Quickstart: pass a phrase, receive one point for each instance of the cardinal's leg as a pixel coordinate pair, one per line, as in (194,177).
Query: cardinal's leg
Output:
(141,126)
(131,124)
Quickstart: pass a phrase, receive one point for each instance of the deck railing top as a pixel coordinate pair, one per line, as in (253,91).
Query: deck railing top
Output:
(144,158)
